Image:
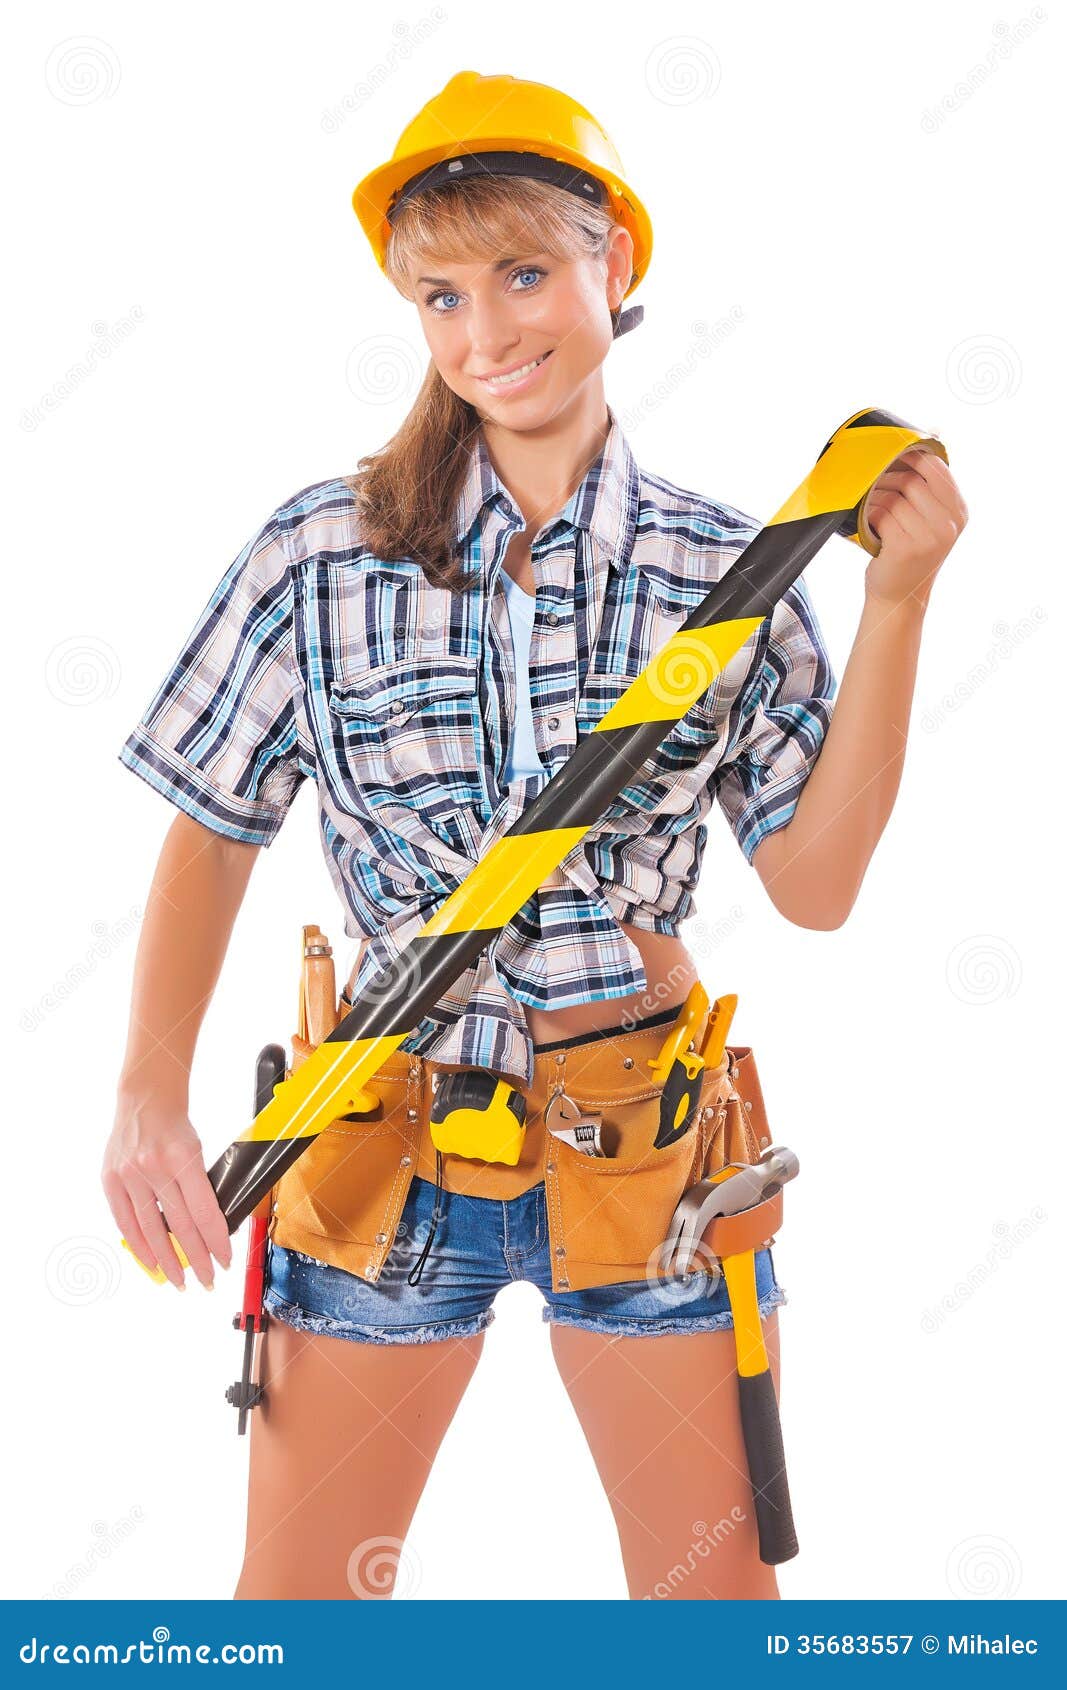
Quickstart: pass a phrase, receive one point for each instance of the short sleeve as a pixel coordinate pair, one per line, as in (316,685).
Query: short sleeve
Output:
(219,739)
(779,722)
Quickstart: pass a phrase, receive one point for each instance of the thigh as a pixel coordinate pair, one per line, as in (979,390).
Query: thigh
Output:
(663,1424)
(340,1451)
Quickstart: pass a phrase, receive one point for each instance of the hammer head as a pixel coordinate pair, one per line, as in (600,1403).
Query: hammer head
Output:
(732,1189)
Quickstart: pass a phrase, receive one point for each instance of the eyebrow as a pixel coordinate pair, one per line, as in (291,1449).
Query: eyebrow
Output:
(501,264)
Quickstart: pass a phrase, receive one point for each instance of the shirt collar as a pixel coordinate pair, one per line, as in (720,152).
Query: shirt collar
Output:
(605,502)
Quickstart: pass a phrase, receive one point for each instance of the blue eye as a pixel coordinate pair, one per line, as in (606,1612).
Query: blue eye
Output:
(449,293)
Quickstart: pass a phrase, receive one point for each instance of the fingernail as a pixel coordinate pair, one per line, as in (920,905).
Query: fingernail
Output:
(210,1286)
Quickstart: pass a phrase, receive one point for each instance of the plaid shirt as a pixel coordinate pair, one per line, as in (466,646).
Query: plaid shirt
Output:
(313,658)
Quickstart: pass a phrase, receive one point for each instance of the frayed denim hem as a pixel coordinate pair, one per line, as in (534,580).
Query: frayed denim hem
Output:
(325,1326)
(657,1325)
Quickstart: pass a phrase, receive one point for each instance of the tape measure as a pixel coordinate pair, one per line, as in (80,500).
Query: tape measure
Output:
(476,1114)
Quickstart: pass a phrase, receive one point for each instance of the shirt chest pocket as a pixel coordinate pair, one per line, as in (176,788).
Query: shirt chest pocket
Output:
(408,738)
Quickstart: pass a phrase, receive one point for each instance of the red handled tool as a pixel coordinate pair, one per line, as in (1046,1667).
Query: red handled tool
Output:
(244,1395)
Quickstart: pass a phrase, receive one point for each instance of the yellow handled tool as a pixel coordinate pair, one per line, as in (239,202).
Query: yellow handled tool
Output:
(726,1218)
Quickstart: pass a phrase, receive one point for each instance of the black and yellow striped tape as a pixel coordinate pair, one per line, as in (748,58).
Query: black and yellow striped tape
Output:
(329,1083)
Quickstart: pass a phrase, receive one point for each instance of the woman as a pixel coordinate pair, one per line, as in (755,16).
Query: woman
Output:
(428,641)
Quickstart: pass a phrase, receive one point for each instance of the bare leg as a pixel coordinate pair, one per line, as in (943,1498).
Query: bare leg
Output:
(340,1452)
(662,1421)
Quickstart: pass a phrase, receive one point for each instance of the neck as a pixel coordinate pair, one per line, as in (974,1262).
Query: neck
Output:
(542,467)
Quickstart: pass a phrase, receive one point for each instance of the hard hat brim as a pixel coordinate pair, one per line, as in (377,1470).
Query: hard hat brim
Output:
(372,196)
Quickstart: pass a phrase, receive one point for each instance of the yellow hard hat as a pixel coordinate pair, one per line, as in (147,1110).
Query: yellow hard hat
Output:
(502,126)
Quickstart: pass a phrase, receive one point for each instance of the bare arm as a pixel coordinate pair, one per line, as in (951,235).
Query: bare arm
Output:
(153,1158)
(813,868)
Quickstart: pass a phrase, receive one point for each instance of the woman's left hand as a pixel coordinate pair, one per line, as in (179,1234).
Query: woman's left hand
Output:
(918,514)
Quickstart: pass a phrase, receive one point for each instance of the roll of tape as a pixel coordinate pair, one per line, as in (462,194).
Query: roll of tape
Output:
(857,449)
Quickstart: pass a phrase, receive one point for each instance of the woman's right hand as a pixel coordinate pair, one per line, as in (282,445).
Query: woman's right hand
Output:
(154,1176)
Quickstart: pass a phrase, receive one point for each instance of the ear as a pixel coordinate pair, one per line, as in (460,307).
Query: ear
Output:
(620,262)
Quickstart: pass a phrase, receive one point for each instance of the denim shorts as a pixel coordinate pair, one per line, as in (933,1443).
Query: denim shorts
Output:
(480,1245)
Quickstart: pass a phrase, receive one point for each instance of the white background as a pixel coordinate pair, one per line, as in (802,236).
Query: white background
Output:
(852,207)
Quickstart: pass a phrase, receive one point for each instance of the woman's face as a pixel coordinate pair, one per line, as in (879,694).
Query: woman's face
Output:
(493,318)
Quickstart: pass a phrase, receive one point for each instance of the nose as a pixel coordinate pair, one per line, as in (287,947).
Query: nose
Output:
(492,332)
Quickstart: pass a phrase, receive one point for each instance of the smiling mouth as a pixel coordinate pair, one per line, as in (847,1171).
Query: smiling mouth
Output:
(515,375)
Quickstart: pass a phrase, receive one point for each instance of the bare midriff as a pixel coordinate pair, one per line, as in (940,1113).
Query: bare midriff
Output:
(669,971)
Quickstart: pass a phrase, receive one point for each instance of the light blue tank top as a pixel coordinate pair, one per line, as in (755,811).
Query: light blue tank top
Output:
(522,758)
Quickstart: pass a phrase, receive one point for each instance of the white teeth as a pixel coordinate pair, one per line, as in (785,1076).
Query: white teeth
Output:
(502,381)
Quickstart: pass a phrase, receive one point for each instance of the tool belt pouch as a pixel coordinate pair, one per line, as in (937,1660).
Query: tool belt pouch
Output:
(613,1213)
(329,1204)
(736,1128)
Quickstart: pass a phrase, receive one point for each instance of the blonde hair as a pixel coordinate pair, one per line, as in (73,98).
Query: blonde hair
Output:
(407,493)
